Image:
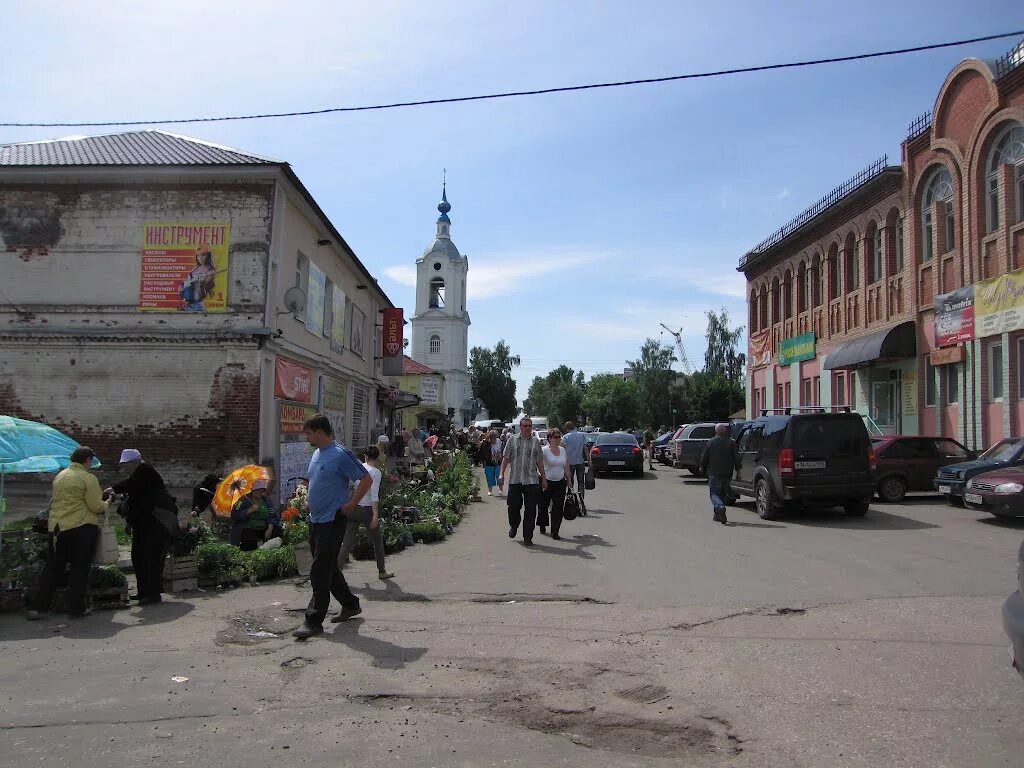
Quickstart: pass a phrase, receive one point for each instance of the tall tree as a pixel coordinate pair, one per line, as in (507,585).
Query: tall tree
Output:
(723,356)
(654,377)
(611,402)
(491,372)
(557,396)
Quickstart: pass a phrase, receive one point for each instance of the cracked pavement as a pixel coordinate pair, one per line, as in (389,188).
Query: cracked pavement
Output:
(649,637)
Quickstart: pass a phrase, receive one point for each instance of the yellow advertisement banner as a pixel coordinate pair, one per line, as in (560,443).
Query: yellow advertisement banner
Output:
(184,266)
(999,304)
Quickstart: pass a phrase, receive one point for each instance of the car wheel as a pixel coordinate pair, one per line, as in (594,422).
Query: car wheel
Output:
(857,508)
(766,508)
(892,489)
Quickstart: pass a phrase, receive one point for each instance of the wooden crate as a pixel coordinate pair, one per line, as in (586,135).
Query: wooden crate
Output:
(181,573)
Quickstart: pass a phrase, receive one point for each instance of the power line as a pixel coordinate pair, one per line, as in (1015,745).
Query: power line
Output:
(536,92)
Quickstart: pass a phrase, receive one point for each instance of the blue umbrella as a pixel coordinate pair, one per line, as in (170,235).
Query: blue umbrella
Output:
(28,446)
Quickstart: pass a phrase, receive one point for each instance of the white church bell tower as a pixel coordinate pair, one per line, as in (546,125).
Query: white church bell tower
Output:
(440,326)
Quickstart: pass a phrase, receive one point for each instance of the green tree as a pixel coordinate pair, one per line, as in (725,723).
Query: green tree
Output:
(654,378)
(709,397)
(611,402)
(558,396)
(723,356)
(491,373)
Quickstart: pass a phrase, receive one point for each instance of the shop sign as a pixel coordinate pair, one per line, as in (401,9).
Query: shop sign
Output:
(392,346)
(797,349)
(184,266)
(947,356)
(954,316)
(760,350)
(999,304)
(293,419)
(430,391)
(292,381)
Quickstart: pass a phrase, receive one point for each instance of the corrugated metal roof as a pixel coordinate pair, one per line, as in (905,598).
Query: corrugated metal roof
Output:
(133,148)
(410,366)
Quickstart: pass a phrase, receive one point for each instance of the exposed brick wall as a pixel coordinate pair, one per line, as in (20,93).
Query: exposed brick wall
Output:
(963,106)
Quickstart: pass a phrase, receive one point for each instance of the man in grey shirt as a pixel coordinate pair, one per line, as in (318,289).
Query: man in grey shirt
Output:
(523,466)
(575,444)
(720,460)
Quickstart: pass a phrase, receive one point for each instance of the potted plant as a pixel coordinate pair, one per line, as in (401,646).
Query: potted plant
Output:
(181,569)
(295,522)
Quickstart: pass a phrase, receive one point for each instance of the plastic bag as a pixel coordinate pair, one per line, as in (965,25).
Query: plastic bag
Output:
(274,543)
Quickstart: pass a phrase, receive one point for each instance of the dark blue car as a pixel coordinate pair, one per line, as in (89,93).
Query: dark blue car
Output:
(951,479)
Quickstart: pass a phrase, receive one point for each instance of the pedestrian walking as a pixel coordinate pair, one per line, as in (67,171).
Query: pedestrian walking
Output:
(649,438)
(556,472)
(415,448)
(490,450)
(74,521)
(146,491)
(575,444)
(522,466)
(719,461)
(367,513)
(332,470)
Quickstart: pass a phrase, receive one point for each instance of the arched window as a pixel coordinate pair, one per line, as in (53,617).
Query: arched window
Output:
(435,344)
(834,281)
(814,278)
(874,240)
(801,287)
(894,229)
(852,263)
(938,190)
(752,311)
(787,294)
(776,300)
(763,305)
(1008,149)
(437,293)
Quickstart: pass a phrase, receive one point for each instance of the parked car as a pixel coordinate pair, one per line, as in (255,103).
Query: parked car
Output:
(689,445)
(999,492)
(542,435)
(661,446)
(814,458)
(617,452)
(1013,617)
(952,479)
(910,463)
(591,440)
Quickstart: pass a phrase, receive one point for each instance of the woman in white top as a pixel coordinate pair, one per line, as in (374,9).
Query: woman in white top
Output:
(556,471)
(368,513)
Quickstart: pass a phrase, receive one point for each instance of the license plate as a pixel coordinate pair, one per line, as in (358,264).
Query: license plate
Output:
(945,489)
(810,465)
(973,498)
(616,463)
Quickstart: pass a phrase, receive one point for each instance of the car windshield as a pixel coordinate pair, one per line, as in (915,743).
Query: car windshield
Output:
(617,438)
(1002,451)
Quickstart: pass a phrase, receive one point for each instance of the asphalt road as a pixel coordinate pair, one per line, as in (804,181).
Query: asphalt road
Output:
(649,636)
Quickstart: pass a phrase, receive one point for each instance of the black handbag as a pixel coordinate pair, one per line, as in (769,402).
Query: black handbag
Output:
(588,479)
(571,507)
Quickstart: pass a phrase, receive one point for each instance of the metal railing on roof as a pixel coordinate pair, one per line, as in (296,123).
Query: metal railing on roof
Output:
(919,125)
(1010,60)
(850,185)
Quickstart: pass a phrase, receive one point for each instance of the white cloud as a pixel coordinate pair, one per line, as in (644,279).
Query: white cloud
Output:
(720,280)
(782,194)
(402,274)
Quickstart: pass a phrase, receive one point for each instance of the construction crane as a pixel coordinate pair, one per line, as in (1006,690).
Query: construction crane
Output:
(683,359)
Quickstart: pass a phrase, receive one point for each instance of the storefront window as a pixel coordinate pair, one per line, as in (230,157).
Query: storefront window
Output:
(884,399)
(929,382)
(839,389)
(952,383)
(995,371)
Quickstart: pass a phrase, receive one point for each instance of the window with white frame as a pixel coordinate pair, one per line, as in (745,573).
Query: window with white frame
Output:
(435,344)
(995,371)
(938,190)
(876,256)
(1008,149)
(839,389)
(806,398)
(929,382)
(328,307)
(899,244)
(301,278)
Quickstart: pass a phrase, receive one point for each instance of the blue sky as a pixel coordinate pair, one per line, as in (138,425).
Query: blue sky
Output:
(589,218)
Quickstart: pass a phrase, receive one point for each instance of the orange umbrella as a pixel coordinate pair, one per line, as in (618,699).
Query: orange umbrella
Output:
(236,485)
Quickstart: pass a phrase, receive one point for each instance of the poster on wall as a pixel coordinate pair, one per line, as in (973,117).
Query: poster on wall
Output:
(954,316)
(999,304)
(909,393)
(430,391)
(392,347)
(315,297)
(293,466)
(184,266)
(292,420)
(337,299)
(358,341)
(292,381)
(760,350)
(334,403)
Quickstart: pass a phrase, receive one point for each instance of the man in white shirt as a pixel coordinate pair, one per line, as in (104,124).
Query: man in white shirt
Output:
(368,513)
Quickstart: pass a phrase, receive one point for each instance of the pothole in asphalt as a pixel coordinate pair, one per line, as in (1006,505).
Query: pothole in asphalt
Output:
(255,627)
(297,663)
(789,611)
(644,694)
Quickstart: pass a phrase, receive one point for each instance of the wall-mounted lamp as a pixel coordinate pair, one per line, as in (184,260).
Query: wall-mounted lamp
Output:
(323,241)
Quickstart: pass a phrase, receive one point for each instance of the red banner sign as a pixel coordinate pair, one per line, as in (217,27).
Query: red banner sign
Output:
(292,381)
(393,323)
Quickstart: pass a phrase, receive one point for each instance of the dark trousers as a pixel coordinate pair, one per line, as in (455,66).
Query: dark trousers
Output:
(363,515)
(520,496)
(149,550)
(552,501)
(325,576)
(75,547)
(720,490)
(579,472)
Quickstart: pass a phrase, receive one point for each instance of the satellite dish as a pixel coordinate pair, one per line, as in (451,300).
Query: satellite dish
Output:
(295,300)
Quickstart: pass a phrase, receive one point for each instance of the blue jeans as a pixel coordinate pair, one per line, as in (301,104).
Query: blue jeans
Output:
(491,473)
(719,490)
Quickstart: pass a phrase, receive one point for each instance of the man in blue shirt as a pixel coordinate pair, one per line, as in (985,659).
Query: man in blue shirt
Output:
(575,444)
(331,472)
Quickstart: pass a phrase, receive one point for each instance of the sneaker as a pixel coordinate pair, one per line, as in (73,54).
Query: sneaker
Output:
(488,492)
(385,575)
(345,614)
(527,542)
(307,631)
(543,529)
(511,533)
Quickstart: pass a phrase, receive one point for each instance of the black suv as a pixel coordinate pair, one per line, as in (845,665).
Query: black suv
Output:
(811,457)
